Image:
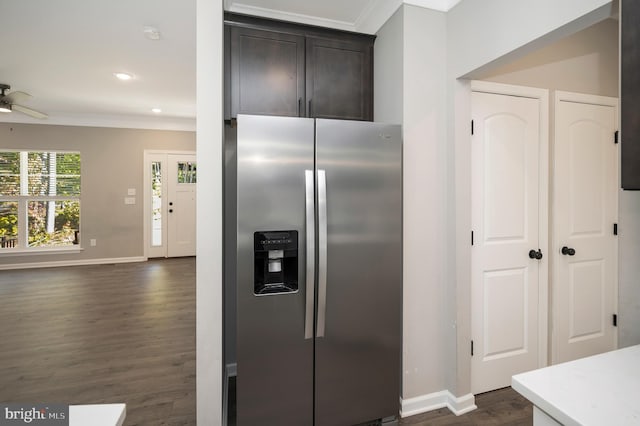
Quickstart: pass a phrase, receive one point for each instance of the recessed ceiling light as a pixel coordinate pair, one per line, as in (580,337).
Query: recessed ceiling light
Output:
(156,110)
(123,76)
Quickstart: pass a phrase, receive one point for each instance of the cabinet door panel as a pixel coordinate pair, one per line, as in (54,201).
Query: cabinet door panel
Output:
(339,79)
(267,70)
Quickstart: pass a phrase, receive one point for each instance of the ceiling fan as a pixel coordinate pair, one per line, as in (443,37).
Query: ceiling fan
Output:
(8,102)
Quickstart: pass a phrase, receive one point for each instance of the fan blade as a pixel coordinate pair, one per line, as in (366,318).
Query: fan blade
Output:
(14,97)
(31,112)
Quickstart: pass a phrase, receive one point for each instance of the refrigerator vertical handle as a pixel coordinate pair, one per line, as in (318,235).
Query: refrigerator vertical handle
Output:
(322,252)
(311,255)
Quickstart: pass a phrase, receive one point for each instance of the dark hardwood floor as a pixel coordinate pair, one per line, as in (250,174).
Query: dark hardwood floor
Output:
(126,333)
(500,407)
(102,334)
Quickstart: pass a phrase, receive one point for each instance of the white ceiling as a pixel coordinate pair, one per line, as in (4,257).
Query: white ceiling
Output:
(64,53)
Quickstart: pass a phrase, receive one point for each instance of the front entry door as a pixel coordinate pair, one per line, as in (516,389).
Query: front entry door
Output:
(181,205)
(507,223)
(170,204)
(585,211)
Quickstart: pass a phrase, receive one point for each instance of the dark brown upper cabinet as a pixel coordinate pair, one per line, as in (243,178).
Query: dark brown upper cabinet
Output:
(630,92)
(280,68)
(339,79)
(267,72)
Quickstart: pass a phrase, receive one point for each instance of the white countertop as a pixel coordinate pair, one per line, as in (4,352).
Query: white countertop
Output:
(599,390)
(97,415)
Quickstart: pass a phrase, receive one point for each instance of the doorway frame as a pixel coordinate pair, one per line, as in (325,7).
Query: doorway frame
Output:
(542,95)
(146,192)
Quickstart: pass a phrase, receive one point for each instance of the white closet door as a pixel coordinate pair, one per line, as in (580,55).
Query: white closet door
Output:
(506,172)
(585,211)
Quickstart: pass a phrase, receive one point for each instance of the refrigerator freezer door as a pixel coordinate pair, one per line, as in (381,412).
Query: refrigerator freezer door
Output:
(275,361)
(322,252)
(358,357)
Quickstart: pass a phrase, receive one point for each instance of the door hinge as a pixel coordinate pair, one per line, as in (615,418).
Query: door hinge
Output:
(472,348)
(471,237)
(615,136)
(471,127)
(615,320)
(615,229)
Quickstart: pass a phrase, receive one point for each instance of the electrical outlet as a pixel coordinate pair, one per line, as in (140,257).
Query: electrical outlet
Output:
(93,242)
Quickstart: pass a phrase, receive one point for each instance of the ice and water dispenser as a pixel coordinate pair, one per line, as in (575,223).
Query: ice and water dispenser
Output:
(275,262)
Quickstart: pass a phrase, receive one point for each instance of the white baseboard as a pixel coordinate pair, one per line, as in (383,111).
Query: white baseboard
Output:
(433,401)
(102,261)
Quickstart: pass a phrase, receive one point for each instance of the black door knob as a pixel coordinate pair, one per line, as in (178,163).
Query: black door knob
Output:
(568,251)
(533,254)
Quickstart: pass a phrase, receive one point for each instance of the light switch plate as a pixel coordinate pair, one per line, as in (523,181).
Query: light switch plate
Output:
(131,191)
(129,200)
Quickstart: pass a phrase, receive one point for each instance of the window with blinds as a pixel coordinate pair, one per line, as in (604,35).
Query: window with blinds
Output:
(39,199)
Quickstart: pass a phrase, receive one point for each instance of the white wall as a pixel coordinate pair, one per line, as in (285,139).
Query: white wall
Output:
(388,68)
(424,126)
(438,48)
(209,35)
(410,48)
(482,36)
(585,62)
(436,177)
(628,269)
(111,163)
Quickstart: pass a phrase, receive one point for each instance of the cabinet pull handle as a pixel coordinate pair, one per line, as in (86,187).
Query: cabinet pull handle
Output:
(309,111)
(299,106)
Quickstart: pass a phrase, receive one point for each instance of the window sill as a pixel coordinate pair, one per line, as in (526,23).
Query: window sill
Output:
(7,252)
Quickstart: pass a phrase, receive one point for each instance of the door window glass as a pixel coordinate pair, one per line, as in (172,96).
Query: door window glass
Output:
(186,172)
(156,203)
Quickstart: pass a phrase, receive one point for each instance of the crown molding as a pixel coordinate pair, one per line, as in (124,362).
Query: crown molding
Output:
(114,121)
(370,20)
(289,16)
(379,11)
(375,15)
(439,5)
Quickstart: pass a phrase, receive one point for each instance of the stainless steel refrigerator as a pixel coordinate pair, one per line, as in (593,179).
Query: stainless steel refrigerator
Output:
(318,270)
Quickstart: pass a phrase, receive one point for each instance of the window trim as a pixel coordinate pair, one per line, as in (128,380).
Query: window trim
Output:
(24,198)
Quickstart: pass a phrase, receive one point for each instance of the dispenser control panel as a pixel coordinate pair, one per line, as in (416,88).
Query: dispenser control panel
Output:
(275,262)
